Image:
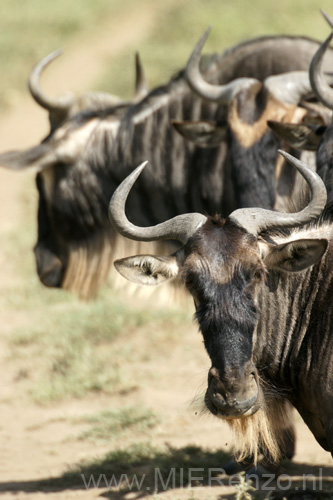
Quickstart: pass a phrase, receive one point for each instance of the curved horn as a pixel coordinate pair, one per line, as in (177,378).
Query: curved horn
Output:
(289,87)
(179,228)
(217,93)
(54,105)
(319,85)
(141,86)
(257,220)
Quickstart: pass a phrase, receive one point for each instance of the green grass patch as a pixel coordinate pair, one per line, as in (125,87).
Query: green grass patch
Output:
(32,29)
(118,423)
(75,345)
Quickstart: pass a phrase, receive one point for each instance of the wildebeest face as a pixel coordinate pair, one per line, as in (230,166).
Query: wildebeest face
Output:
(50,261)
(72,226)
(223,271)
(224,267)
(224,264)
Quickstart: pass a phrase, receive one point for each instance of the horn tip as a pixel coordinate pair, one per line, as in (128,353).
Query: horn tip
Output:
(196,53)
(56,53)
(206,33)
(290,158)
(327,17)
(203,39)
(141,166)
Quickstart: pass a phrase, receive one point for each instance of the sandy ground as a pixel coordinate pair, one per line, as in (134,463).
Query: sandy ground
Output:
(35,441)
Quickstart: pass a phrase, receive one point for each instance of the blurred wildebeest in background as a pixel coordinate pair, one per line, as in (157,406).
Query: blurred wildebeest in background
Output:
(260,177)
(94,143)
(315,137)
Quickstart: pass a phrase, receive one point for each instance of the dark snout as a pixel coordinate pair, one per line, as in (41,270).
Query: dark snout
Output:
(50,269)
(234,393)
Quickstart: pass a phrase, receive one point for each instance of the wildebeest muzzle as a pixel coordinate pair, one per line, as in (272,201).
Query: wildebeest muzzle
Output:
(233,394)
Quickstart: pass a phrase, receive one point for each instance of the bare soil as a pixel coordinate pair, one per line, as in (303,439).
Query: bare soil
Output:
(36,442)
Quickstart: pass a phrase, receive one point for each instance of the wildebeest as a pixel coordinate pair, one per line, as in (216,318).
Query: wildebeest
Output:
(315,137)
(262,284)
(94,144)
(251,104)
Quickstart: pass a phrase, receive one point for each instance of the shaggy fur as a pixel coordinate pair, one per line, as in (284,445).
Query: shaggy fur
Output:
(261,432)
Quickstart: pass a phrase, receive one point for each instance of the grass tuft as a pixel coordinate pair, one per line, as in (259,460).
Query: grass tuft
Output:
(117,423)
(82,348)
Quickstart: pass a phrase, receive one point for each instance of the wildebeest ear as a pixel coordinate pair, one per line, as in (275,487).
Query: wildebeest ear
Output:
(295,256)
(204,133)
(299,135)
(41,156)
(148,269)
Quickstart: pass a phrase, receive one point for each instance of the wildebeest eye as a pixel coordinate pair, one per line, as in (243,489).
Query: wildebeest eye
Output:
(255,275)
(259,275)
(251,275)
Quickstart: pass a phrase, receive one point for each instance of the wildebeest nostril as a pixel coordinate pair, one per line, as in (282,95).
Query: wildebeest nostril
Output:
(218,400)
(218,397)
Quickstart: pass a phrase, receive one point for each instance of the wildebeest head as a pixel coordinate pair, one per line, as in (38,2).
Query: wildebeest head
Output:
(250,105)
(223,264)
(310,136)
(70,183)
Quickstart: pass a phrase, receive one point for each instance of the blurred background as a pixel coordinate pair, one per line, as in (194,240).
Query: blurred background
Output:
(105,384)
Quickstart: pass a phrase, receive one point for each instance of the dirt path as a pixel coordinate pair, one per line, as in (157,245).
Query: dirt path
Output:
(36,442)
